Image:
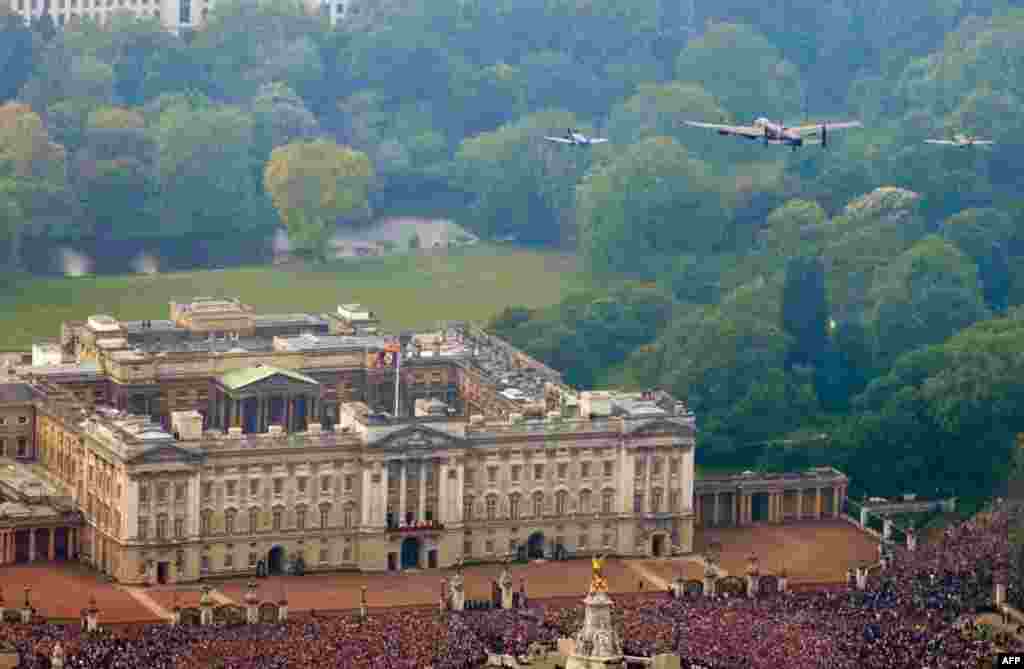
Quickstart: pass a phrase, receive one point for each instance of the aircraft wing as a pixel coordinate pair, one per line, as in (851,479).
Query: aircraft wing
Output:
(742,130)
(804,129)
(946,142)
(983,141)
(596,141)
(560,140)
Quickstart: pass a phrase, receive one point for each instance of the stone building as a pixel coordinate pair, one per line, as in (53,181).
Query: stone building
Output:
(220,440)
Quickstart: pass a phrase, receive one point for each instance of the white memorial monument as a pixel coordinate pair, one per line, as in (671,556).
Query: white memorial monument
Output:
(597,645)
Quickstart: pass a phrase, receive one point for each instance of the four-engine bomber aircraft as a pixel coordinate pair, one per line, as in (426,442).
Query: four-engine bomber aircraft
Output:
(576,138)
(962,141)
(777,133)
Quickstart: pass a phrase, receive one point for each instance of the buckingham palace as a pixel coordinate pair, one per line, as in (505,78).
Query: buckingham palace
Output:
(221,441)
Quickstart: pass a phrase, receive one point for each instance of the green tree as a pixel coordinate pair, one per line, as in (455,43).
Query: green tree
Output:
(805,312)
(744,71)
(313,185)
(926,295)
(208,187)
(985,236)
(17,54)
(796,227)
(652,201)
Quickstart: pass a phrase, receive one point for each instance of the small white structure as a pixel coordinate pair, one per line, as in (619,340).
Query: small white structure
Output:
(46,353)
(597,644)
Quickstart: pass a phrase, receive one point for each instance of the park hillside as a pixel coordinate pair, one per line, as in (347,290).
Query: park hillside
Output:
(859,305)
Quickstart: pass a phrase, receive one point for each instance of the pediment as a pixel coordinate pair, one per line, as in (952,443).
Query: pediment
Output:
(418,436)
(163,453)
(659,426)
(279,383)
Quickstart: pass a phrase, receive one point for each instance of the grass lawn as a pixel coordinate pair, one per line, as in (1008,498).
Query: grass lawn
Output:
(406,291)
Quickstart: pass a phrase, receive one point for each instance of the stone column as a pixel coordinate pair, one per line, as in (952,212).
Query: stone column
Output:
(32,545)
(205,607)
(1000,594)
(911,541)
(401,493)
(72,541)
(423,490)
(886,529)
(441,515)
(837,501)
(252,613)
(282,610)
(52,553)
(817,503)
(648,478)
(365,496)
(714,509)
(799,504)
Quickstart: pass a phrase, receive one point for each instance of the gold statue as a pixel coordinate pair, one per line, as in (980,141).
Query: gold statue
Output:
(597,580)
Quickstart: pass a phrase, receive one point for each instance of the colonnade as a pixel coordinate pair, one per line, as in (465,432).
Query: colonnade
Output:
(736,507)
(235,412)
(47,551)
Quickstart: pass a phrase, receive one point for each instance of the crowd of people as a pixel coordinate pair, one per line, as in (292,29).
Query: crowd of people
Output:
(911,615)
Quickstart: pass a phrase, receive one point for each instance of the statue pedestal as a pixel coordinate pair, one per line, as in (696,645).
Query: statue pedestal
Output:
(597,644)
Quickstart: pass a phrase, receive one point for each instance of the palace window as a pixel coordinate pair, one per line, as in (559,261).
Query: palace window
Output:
(469,476)
(584,501)
(229,521)
(673,466)
(641,467)
(638,502)
(346,555)
(607,501)
(492,507)
(162,492)
(467,548)
(207,492)
(143,528)
(673,500)
(585,470)
(609,469)
(513,506)
(347,516)
(517,471)
(204,563)
(538,504)
(581,544)
(563,470)
(489,547)
(277,520)
(278,486)
(606,539)
(179,528)
(179,560)
(22,447)
(348,483)
(230,486)
(538,472)
(161,527)
(467,508)
(656,500)
(179,492)
(302,485)
(144,494)
(561,502)
(325,484)
(323,554)
(204,521)
(254,520)
(254,487)
(229,558)
(300,518)
(492,475)
(253,559)
(656,467)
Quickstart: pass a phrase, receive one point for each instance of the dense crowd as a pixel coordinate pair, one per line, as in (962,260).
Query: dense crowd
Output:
(911,615)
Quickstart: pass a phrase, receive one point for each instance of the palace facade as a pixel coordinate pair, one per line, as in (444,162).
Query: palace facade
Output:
(220,439)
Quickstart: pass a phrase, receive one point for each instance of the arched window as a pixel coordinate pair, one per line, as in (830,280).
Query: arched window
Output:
(608,501)
(254,520)
(584,501)
(561,503)
(513,506)
(467,508)
(538,504)
(229,521)
(492,507)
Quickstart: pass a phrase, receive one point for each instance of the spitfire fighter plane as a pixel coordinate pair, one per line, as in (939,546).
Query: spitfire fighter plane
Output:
(777,133)
(963,141)
(576,138)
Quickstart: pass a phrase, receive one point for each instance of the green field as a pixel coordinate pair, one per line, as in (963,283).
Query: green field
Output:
(406,291)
